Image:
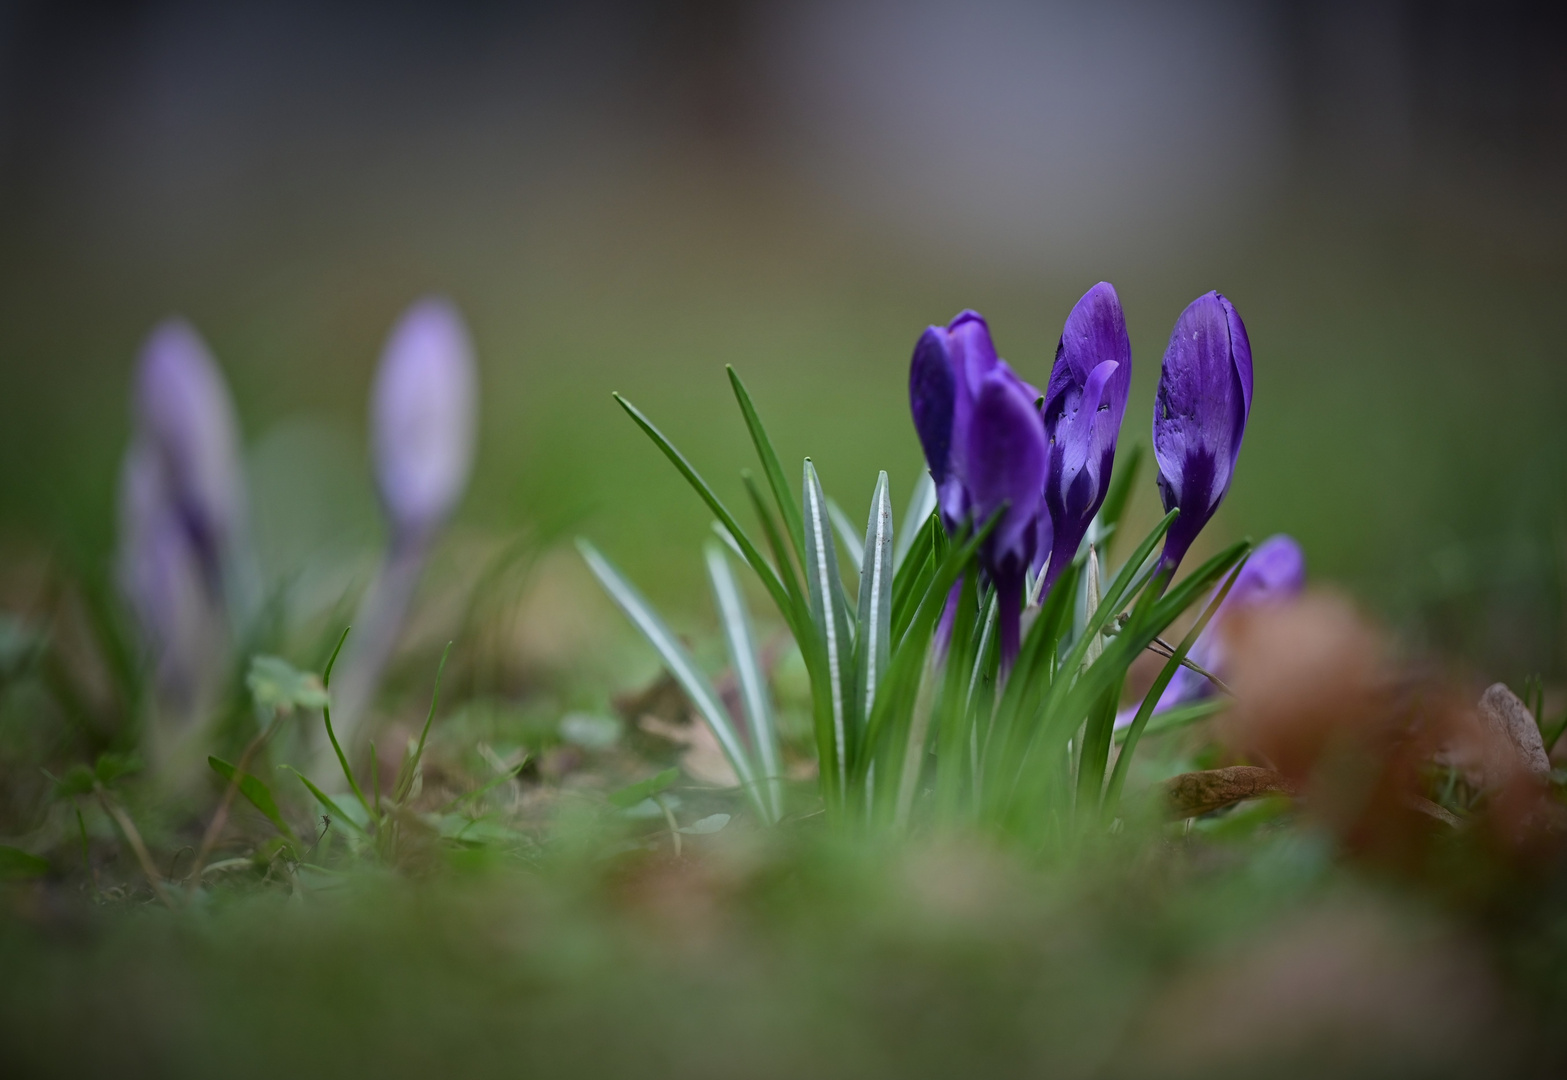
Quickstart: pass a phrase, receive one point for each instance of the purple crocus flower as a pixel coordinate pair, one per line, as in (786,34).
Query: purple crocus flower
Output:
(1200,416)
(185,423)
(1085,401)
(422,440)
(986,447)
(183,560)
(1275,573)
(422,419)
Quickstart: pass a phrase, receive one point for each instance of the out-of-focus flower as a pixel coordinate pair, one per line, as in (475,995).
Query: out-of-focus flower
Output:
(422,439)
(422,419)
(986,447)
(1085,401)
(183,560)
(1275,574)
(162,576)
(185,424)
(1200,416)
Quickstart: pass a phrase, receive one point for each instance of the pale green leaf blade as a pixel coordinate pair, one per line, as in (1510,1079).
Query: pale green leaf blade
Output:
(825,586)
(736,621)
(875,606)
(680,665)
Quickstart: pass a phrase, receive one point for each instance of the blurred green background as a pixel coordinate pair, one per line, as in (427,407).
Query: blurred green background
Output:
(629,196)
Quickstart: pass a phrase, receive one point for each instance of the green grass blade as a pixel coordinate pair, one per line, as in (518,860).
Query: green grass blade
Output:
(258,794)
(922,504)
(824,584)
(326,718)
(326,801)
(1177,718)
(680,665)
(738,636)
(405,779)
(913,574)
(753,557)
(801,619)
(771,468)
(1112,795)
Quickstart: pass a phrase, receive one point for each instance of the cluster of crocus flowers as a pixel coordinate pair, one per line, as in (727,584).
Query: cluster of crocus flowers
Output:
(183,561)
(1045,468)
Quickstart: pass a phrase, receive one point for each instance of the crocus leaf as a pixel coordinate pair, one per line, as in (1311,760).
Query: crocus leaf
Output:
(771,466)
(258,794)
(1178,717)
(736,623)
(753,557)
(825,586)
(875,607)
(679,664)
(1134,733)
(644,789)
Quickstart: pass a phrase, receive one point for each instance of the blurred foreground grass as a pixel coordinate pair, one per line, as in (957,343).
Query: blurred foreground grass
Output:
(802,955)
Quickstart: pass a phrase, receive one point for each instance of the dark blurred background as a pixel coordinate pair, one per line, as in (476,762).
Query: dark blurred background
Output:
(630,195)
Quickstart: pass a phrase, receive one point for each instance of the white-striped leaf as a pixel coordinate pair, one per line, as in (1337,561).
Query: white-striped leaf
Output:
(748,673)
(875,610)
(680,665)
(825,587)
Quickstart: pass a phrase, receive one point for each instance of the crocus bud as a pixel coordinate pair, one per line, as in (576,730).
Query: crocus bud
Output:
(185,419)
(1084,403)
(162,576)
(1275,574)
(422,419)
(986,447)
(1200,416)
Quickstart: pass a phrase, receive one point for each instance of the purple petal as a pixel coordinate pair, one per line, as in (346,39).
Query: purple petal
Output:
(1006,464)
(1200,414)
(973,353)
(932,398)
(422,418)
(1084,405)
(183,410)
(1095,331)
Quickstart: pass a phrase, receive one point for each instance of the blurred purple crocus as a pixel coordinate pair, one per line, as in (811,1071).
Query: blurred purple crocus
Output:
(422,435)
(986,447)
(1200,416)
(1085,401)
(422,419)
(183,560)
(1275,573)
(185,427)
